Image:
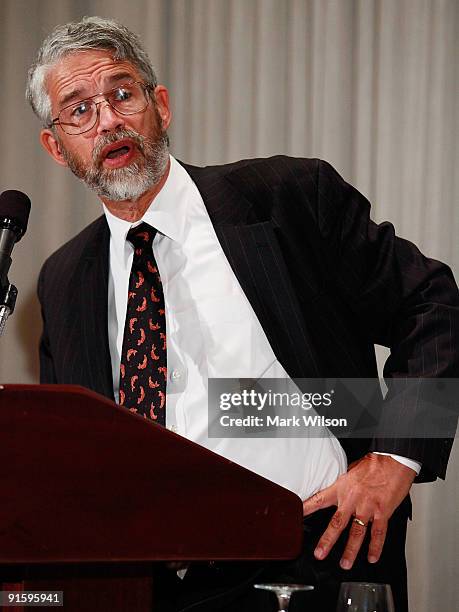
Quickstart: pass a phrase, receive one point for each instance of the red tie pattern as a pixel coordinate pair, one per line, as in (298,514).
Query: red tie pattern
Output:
(143,370)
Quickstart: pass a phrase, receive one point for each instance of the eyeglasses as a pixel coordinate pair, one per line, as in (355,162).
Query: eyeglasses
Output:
(81,116)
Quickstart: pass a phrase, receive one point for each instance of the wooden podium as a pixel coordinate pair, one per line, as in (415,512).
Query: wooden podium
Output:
(92,494)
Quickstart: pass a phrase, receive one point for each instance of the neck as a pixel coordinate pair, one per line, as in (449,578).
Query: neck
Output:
(133,210)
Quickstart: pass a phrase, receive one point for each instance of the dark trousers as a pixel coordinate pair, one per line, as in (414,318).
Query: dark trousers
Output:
(228,586)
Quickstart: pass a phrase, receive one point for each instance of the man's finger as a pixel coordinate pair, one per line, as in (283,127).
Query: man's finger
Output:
(338,522)
(378,536)
(359,527)
(322,499)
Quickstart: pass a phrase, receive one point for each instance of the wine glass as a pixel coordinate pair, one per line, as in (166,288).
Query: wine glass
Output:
(284,592)
(365,597)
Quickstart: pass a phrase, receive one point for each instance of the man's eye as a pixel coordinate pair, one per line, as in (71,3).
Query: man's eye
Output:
(122,94)
(81,109)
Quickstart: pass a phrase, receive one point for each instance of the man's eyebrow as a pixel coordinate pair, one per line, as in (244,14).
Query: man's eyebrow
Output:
(71,95)
(127,77)
(79,94)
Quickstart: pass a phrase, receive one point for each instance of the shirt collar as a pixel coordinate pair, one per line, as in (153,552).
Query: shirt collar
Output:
(166,213)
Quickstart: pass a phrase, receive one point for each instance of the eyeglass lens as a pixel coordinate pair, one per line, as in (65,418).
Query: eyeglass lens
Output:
(82,116)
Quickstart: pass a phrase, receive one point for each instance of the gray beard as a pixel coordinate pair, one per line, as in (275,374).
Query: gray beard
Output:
(127,183)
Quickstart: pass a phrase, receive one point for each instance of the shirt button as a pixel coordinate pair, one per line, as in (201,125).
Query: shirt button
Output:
(175,374)
(173,428)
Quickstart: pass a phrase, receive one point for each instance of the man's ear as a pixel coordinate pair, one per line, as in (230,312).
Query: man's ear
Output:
(50,143)
(162,104)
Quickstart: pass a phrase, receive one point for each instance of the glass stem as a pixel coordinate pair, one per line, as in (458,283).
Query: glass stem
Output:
(283,602)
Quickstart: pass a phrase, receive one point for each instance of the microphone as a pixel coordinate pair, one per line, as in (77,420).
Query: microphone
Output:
(14,214)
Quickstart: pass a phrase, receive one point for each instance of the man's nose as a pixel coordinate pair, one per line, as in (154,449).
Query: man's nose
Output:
(108,119)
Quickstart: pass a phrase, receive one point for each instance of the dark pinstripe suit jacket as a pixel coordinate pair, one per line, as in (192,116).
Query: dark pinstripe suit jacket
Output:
(325,282)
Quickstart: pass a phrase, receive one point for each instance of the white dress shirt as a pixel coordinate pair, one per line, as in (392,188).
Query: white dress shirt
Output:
(212,331)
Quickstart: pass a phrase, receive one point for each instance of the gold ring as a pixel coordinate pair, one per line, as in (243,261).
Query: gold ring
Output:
(359,522)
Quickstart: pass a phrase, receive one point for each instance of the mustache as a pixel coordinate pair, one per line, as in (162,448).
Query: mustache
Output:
(113,137)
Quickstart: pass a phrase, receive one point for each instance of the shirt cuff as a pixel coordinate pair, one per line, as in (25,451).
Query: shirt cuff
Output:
(414,465)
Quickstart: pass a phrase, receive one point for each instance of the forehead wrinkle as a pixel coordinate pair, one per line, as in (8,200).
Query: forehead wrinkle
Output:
(86,73)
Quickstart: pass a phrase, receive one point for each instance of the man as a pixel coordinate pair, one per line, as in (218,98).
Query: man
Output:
(260,268)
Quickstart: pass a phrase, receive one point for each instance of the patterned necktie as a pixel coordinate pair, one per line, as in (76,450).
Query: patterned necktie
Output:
(143,372)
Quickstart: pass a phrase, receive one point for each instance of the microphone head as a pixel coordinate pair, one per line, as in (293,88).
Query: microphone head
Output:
(14,211)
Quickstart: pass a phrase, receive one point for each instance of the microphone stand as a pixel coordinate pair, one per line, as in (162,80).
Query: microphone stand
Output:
(8,295)
(8,292)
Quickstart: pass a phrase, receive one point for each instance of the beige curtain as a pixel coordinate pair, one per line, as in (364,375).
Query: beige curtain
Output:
(369,85)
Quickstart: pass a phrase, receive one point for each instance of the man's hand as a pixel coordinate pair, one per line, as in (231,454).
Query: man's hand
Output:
(370,491)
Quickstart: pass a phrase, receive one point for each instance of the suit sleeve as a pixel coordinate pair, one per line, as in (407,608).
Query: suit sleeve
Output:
(403,300)
(47,372)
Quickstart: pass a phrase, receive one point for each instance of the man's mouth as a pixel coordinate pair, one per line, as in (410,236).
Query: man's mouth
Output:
(118,154)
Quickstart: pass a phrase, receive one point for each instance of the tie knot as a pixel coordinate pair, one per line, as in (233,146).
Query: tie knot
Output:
(141,236)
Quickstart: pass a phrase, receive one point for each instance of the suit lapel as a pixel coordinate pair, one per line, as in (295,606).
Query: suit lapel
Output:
(90,285)
(252,249)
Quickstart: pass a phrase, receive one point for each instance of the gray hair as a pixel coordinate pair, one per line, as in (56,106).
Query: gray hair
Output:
(89,33)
